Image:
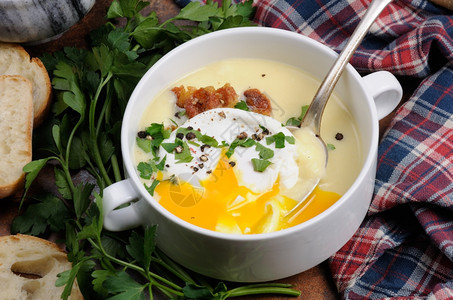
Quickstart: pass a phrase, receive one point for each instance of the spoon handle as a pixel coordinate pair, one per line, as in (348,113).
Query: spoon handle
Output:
(313,115)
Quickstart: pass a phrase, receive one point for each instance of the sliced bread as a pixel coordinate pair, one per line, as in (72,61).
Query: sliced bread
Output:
(29,268)
(16,121)
(14,60)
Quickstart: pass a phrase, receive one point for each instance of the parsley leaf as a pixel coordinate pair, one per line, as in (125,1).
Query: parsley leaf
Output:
(185,155)
(144,144)
(295,121)
(279,139)
(142,246)
(242,105)
(152,187)
(181,149)
(127,8)
(48,214)
(170,147)
(264,152)
(195,11)
(158,134)
(124,286)
(246,143)
(259,165)
(193,291)
(145,170)
(205,139)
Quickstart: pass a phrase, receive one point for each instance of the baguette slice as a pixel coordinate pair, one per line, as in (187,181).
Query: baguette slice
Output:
(16,121)
(29,268)
(14,60)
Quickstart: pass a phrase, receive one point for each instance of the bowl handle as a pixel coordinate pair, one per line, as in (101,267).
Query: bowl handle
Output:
(385,90)
(115,195)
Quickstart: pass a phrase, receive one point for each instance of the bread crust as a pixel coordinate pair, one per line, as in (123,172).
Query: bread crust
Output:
(41,112)
(29,266)
(15,60)
(13,187)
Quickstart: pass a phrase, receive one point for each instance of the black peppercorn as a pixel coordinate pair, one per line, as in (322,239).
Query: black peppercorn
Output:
(203,147)
(142,134)
(190,136)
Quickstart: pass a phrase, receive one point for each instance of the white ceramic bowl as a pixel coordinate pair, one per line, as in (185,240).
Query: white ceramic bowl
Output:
(28,21)
(260,257)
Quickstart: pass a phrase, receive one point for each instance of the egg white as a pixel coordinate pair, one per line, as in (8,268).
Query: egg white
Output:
(225,124)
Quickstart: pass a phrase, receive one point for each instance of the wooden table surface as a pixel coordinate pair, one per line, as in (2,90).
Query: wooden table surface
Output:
(315,283)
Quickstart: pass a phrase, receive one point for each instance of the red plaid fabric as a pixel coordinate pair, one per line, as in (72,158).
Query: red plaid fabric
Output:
(394,42)
(404,248)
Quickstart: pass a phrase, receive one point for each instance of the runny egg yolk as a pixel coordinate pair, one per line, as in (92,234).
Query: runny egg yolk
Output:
(222,204)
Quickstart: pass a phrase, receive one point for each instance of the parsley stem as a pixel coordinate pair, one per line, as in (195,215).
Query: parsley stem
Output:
(116,168)
(168,289)
(150,291)
(64,161)
(93,132)
(123,263)
(92,170)
(103,112)
(281,289)
(64,166)
(152,277)
(171,266)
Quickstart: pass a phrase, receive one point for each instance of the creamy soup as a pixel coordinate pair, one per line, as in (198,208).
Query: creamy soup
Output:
(229,195)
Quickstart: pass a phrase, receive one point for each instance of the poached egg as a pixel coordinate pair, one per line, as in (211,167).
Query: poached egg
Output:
(234,171)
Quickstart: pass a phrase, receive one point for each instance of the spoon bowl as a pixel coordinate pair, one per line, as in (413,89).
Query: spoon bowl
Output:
(313,116)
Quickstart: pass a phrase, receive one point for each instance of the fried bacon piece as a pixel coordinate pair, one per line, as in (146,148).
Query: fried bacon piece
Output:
(195,101)
(258,102)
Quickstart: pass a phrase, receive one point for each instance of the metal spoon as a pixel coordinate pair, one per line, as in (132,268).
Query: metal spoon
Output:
(312,118)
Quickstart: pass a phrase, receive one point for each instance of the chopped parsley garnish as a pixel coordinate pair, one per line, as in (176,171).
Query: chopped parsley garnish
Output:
(157,134)
(184,156)
(147,169)
(279,140)
(264,152)
(170,147)
(194,143)
(160,166)
(330,147)
(242,105)
(239,142)
(295,121)
(259,165)
(152,187)
(205,139)
(144,144)
(181,149)
(264,129)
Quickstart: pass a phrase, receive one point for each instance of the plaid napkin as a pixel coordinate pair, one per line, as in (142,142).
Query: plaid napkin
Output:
(404,247)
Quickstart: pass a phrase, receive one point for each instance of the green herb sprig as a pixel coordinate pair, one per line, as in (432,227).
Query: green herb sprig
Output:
(91,89)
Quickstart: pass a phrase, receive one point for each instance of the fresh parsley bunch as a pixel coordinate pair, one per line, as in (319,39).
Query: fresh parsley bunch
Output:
(82,136)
